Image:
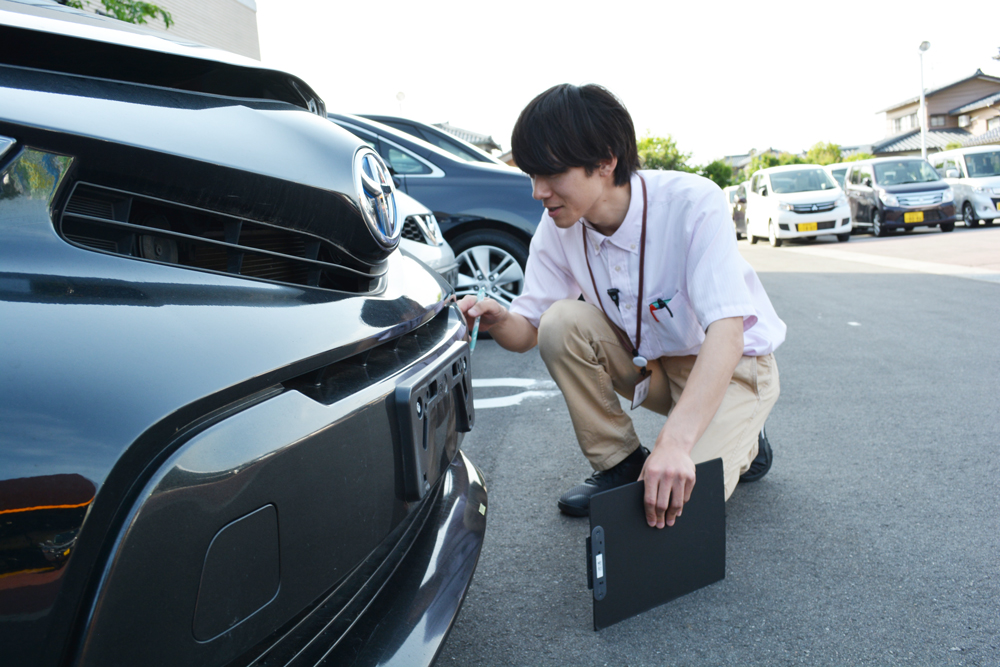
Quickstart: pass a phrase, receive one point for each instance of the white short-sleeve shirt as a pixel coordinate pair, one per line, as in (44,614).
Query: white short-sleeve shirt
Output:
(691,260)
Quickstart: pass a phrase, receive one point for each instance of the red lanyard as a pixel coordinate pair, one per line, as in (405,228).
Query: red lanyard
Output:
(626,343)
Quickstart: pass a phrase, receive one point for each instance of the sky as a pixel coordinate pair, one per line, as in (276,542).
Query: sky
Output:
(719,77)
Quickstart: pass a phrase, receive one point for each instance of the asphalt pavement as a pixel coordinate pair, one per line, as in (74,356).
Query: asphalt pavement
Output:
(875,538)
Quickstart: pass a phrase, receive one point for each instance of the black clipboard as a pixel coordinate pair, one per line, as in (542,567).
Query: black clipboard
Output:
(624,554)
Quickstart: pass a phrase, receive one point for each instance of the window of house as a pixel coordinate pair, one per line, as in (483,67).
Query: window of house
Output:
(963,120)
(937,121)
(993,123)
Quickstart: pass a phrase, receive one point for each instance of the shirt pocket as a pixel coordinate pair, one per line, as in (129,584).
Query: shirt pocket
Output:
(677,334)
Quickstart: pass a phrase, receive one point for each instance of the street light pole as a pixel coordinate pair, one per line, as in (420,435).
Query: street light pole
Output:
(923,109)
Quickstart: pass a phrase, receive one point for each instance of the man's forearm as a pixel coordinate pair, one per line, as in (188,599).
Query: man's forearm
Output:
(706,386)
(515,333)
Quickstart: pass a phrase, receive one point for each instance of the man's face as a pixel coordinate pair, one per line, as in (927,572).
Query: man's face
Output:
(568,196)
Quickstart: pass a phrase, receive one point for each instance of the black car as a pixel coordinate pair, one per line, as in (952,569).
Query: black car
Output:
(898,193)
(436,137)
(231,409)
(486,211)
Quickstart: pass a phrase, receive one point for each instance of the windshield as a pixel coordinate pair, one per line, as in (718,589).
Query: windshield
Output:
(983,164)
(900,172)
(801,180)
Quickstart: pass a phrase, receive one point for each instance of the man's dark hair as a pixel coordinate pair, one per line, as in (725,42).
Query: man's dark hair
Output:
(574,126)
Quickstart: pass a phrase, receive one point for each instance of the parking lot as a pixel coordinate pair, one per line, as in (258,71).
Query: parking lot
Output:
(873,540)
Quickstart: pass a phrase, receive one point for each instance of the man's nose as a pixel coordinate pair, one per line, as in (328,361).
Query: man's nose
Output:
(540,188)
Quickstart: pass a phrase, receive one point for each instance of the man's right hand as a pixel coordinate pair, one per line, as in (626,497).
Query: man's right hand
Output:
(510,330)
(489,311)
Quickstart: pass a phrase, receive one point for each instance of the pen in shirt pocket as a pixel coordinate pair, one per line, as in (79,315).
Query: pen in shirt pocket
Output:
(659,304)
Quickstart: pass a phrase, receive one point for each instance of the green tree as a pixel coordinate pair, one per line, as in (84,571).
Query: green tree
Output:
(662,153)
(718,171)
(859,156)
(953,144)
(822,153)
(130,11)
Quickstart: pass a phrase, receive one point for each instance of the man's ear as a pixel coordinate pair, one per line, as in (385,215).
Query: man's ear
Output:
(607,166)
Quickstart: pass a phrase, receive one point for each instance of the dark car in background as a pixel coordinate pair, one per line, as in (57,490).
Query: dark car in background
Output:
(231,408)
(486,211)
(904,193)
(436,137)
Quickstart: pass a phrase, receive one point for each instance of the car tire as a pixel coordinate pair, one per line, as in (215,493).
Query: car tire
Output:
(493,260)
(844,238)
(947,226)
(969,215)
(878,229)
(752,238)
(772,236)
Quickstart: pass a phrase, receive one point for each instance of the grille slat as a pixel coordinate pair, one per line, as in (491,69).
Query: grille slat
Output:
(814,208)
(921,198)
(117,222)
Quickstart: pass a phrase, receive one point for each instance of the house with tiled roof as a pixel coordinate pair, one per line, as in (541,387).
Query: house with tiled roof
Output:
(963,112)
(482,141)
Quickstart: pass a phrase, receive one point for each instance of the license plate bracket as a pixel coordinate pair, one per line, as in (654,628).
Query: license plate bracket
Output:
(433,405)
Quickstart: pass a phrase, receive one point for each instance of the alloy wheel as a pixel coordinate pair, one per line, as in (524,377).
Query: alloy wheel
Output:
(492,268)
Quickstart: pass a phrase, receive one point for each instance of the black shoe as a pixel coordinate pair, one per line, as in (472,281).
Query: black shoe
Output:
(762,462)
(576,501)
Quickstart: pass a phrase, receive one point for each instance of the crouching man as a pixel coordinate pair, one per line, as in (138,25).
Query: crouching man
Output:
(673,318)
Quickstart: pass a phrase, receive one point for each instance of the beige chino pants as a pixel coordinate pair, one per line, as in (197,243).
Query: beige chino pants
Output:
(586,359)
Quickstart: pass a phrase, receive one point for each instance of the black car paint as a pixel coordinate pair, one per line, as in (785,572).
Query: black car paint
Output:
(114,367)
(468,196)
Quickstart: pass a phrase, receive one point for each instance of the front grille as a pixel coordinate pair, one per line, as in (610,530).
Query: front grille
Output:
(996,204)
(145,228)
(814,208)
(921,198)
(412,231)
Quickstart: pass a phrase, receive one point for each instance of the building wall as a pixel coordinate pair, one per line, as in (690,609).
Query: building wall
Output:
(230,25)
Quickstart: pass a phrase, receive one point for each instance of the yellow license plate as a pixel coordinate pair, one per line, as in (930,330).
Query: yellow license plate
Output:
(916,216)
(807,227)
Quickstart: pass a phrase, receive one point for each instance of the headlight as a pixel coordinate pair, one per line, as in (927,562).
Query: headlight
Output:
(888,199)
(841,201)
(980,190)
(784,206)
(947,196)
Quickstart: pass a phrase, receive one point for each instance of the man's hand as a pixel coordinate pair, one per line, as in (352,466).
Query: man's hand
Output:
(512,331)
(669,475)
(489,311)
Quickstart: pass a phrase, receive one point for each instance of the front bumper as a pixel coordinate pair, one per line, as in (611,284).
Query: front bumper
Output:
(987,207)
(404,611)
(791,225)
(894,217)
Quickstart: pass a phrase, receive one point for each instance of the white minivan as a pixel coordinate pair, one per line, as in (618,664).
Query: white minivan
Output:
(974,174)
(796,201)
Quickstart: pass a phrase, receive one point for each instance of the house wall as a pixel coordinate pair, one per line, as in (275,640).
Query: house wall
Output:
(979,119)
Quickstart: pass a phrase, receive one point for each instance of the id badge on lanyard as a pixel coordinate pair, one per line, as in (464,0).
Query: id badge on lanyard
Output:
(641,390)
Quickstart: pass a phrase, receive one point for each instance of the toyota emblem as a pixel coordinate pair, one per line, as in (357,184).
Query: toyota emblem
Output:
(376,197)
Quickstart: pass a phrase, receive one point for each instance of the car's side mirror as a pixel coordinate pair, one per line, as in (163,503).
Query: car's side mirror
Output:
(741,200)
(867,182)
(397,181)
(763,192)
(952,173)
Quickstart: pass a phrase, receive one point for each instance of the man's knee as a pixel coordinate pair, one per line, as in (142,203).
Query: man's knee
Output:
(563,321)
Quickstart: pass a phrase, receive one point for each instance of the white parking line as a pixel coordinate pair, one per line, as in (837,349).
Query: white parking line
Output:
(535,389)
(954,270)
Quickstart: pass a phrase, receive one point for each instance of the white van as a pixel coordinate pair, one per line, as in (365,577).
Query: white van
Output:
(974,174)
(796,201)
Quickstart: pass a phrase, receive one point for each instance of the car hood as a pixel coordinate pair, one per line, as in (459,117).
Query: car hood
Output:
(927,186)
(992,182)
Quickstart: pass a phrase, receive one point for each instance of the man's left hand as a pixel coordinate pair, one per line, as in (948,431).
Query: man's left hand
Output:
(669,474)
